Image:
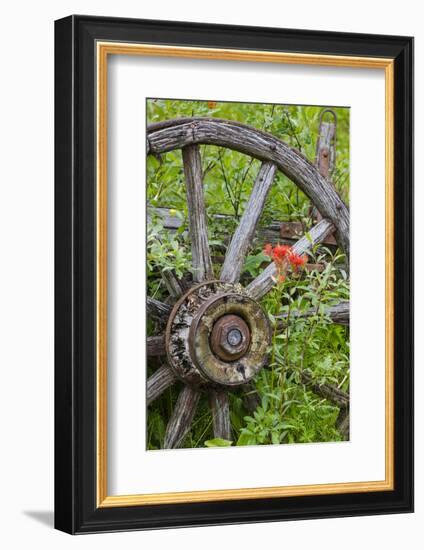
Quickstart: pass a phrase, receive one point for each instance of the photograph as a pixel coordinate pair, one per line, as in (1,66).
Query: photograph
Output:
(247,283)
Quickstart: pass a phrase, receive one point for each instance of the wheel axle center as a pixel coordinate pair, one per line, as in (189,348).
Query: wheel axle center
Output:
(234,337)
(230,337)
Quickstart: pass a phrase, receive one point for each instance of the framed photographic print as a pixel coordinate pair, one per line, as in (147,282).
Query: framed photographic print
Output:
(234,274)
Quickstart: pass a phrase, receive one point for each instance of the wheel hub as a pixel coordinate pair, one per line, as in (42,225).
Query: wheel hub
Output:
(230,337)
(217,334)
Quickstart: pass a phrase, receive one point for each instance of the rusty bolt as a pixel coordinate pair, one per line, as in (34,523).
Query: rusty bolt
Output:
(230,337)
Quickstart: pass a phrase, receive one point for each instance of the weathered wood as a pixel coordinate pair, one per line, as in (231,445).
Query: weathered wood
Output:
(266,280)
(325,149)
(343,423)
(274,233)
(156,345)
(201,259)
(158,382)
(332,393)
(251,399)
(173,284)
(179,133)
(339,313)
(181,418)
(242,238)
(158,310)
(218,400)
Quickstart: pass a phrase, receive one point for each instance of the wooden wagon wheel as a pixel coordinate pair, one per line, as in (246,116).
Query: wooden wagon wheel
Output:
(217,334)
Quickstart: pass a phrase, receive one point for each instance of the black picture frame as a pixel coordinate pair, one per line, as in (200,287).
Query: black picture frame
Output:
(76,510)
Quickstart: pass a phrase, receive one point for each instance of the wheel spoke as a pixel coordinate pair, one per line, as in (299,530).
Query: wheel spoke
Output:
(266,280)
(202,263)
(182,417)
(158,310)
(219,404)
(242,238)
(156,345)
(158,382)
(173,284)
(251,399)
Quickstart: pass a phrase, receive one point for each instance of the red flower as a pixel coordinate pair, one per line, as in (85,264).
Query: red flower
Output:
(211,104)
(297,261)
(280,253)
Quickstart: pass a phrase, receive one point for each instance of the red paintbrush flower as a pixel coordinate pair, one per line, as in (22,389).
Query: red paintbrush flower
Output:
(297,261)
(280,253)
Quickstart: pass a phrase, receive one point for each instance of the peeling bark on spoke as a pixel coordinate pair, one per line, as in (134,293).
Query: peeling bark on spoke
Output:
(220,407)
(243,236)
(265,281)
(182,417)
(158,310)
(158,382)
(202,262)
(156,346)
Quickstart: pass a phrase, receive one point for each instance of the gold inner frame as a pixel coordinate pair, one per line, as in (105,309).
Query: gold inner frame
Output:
(104,49)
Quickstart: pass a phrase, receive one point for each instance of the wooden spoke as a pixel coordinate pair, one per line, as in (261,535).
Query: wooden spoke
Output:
(158,382)
(202,263)
(343,423)
(266,280)
(242,238)
(158,310)
(174,134)
(182,417)
(251,399)
(156,345)
(173,284)
(219,404)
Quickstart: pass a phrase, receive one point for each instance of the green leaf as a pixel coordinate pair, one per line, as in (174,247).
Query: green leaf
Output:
(218,442)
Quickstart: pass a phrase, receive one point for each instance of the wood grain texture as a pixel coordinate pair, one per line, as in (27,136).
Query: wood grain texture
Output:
(179,133)
(332,393)
(219,403)
(181,418)
(243,236)
(158,310)
(339,313)
(265,281)
(158,382)
(156,345)
(173,284)
(202,263)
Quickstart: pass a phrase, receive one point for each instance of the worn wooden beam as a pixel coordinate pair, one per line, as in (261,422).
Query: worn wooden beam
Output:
(159,382)
(266,280)
(201,259)
(181,418)
(158,310)
(242,238)
(156,345)
(219,403)
(332,393)
(179,133)
(339,313)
